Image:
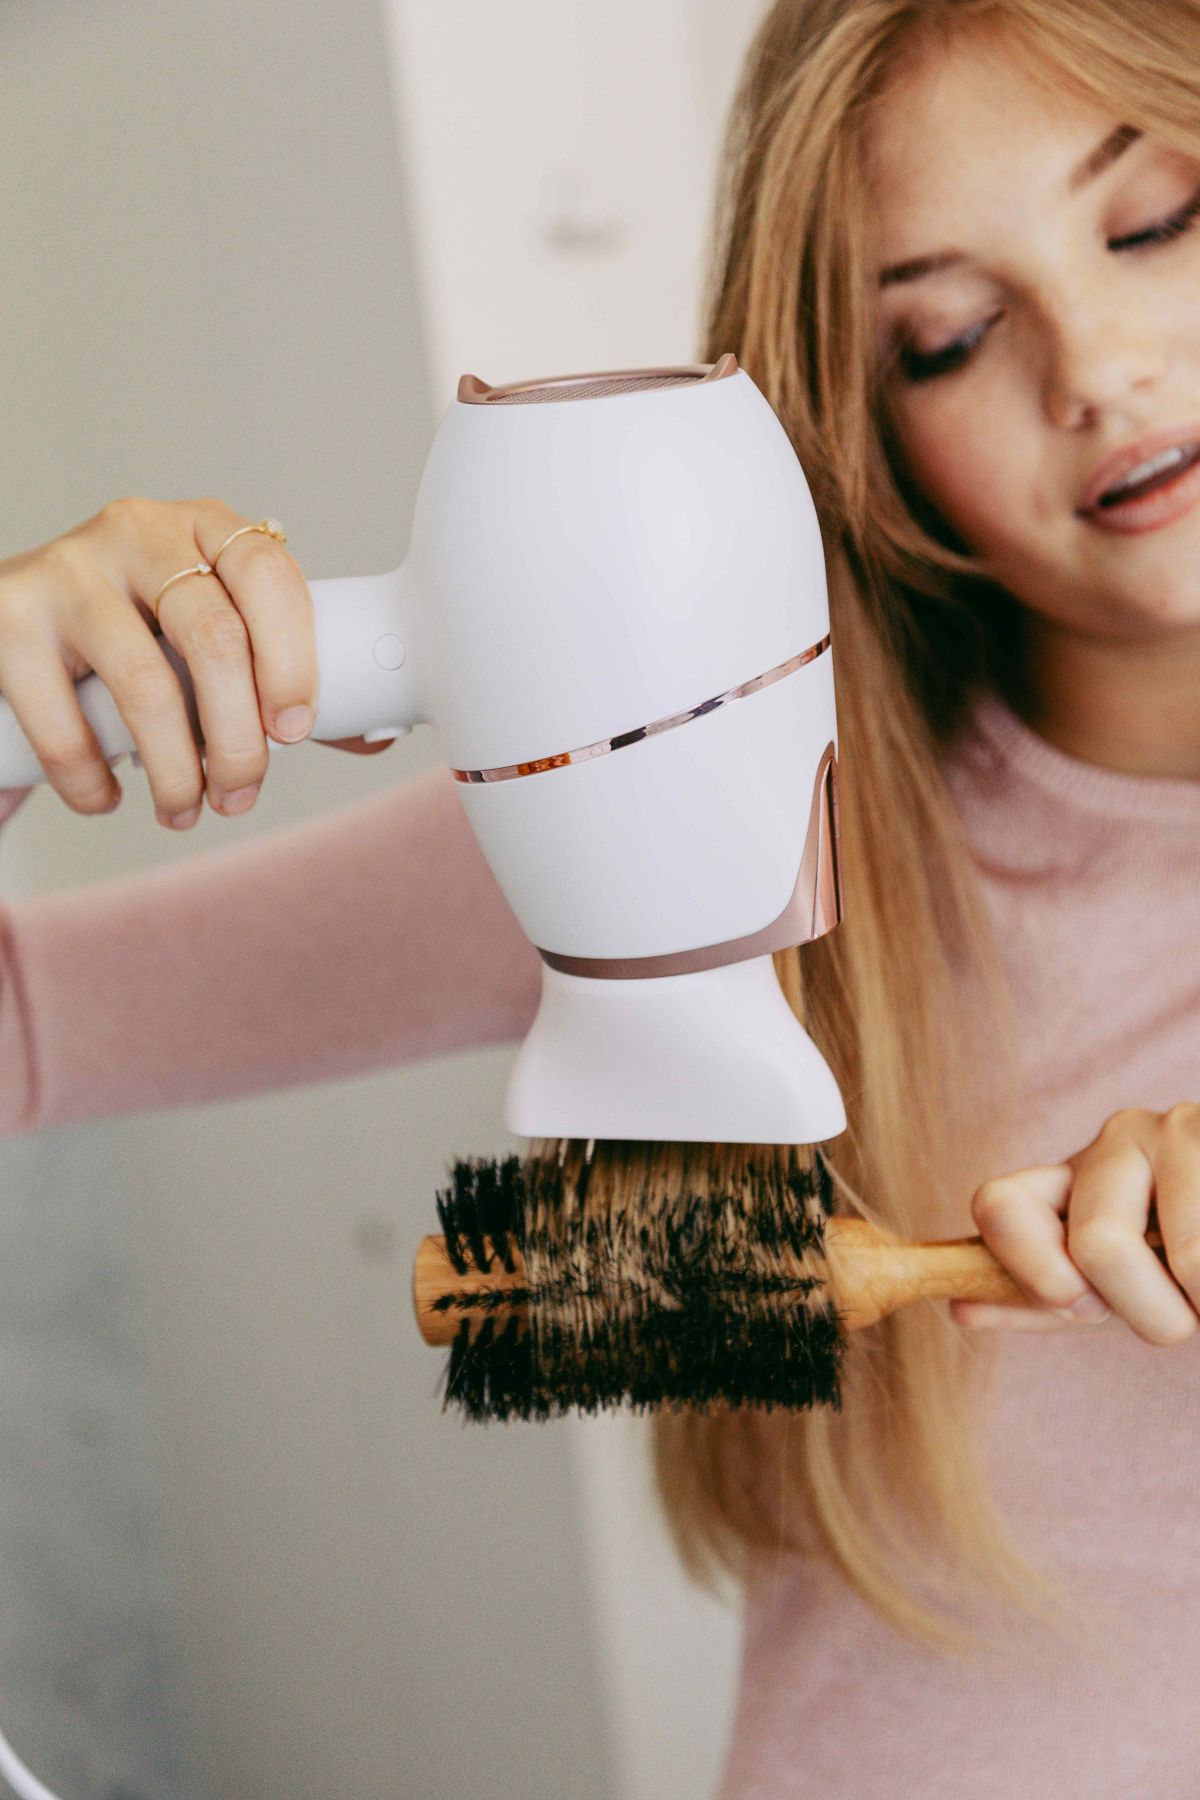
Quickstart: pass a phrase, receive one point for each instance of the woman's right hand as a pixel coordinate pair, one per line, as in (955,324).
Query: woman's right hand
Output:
(82,603)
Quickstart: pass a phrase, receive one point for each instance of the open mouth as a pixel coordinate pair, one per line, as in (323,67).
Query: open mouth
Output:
(1157,472)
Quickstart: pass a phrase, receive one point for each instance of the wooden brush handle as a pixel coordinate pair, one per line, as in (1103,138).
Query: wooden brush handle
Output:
(868,1273)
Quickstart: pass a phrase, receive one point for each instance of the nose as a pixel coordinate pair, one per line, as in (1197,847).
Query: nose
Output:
(1106,357)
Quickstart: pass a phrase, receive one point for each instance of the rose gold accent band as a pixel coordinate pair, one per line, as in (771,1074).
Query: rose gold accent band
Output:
(564,758)
(593,384)
(814,908)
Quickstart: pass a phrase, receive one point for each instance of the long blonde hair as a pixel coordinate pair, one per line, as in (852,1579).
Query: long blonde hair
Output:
(892,1489)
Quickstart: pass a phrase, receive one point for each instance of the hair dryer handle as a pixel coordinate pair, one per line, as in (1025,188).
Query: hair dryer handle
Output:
(368,687)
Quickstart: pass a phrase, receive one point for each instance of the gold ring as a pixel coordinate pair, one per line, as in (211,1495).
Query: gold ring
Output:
(271,527)
(202,568)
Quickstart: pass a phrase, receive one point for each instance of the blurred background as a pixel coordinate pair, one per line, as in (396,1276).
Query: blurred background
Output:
(247,249)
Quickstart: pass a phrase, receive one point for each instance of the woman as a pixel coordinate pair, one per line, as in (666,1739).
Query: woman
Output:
(956,253)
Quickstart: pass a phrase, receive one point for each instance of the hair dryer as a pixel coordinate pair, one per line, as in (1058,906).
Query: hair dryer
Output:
(614,609)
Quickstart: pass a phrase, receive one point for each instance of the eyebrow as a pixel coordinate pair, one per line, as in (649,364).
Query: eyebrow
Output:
(1113,146)
(1093,165)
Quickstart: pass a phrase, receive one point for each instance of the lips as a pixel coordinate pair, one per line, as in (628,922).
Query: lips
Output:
(1114,468)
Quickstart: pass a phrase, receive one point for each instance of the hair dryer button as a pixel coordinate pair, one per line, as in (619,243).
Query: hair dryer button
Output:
(388,651)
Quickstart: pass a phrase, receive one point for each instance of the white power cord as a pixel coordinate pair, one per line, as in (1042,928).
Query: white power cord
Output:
(21,1780)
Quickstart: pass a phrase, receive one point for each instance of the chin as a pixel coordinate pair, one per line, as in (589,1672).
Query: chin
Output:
(1184,616)
(1163,610)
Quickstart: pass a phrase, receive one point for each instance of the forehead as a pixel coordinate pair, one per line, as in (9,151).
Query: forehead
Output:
(967,126)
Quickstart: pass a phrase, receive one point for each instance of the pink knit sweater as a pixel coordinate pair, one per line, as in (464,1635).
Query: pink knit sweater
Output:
(371,936)
(379,934)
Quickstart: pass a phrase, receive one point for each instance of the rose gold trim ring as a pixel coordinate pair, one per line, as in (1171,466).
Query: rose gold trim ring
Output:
(603,746)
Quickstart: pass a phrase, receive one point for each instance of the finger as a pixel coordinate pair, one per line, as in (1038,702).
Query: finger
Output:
(1176,1160)
(37,686)
(200,621)
(1019,1219)
(979,1315)
(267,586)
(123,651)
(1106,1234)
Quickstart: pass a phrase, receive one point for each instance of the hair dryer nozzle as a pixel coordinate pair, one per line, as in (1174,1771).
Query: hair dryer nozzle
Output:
(715,1056)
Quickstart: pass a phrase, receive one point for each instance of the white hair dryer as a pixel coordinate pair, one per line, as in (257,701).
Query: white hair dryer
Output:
(614,609)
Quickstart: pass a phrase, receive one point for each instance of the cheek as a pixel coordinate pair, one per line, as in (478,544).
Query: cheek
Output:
(968,459)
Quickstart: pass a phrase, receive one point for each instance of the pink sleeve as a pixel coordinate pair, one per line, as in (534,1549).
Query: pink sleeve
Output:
(370,936)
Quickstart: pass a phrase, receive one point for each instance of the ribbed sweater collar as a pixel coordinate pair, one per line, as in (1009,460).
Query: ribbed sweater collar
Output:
(1084,785)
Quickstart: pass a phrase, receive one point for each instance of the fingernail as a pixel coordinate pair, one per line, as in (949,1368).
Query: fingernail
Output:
(293,723)
(240,801)
(184,820)
(1091,1307)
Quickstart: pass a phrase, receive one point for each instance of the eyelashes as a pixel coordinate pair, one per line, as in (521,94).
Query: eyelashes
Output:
(917,366)
(1165,231)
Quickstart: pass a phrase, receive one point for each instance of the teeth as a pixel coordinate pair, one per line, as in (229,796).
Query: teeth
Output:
(1155,465)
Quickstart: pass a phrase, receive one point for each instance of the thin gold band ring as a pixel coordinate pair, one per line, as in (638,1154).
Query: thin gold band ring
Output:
(271,527)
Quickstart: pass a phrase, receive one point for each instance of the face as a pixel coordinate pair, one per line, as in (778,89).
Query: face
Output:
(1040,274)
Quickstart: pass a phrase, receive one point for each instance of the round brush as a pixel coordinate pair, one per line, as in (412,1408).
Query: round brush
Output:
(590,1277)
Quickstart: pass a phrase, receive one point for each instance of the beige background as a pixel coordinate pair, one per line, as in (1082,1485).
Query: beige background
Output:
(245,250)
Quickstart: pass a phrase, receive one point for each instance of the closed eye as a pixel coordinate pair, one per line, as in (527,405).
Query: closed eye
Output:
(1167,229)
(918,365)
(924,365)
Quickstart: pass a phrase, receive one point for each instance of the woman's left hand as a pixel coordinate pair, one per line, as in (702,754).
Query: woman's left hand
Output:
(1066,1230)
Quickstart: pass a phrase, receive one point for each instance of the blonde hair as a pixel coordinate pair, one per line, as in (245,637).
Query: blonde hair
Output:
(892,1490)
